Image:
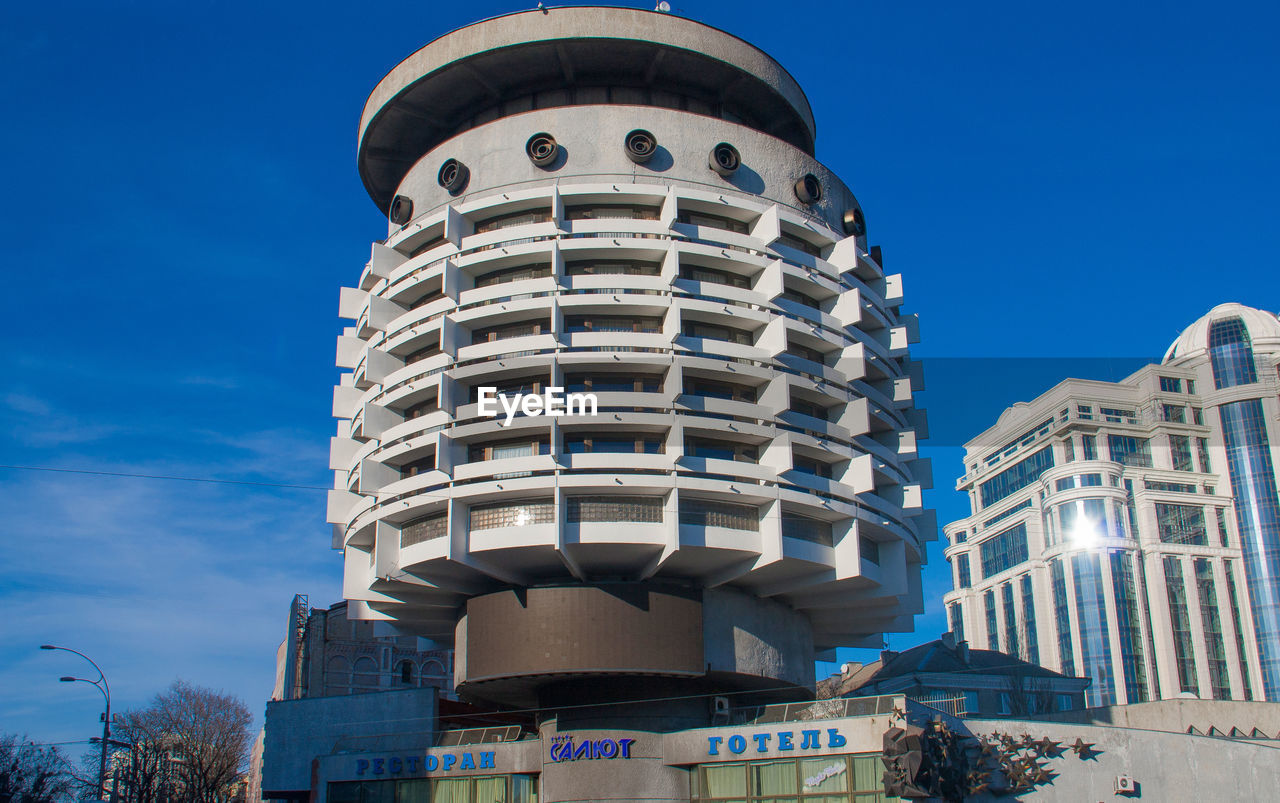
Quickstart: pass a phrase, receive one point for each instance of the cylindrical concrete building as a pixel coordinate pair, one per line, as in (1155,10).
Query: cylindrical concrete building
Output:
(624,205)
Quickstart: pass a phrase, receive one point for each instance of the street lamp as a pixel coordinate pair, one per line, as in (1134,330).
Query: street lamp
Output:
(102,686)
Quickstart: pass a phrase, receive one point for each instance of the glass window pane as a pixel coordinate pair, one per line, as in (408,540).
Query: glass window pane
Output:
(453,790)
(773,778)
(724,780)
(490,790)
(828,774)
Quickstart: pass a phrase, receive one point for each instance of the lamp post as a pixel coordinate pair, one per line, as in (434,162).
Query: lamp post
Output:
(102,686)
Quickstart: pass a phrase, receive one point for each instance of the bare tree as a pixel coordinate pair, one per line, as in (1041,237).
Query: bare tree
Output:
(1028,692)
(209,740)
(32,774)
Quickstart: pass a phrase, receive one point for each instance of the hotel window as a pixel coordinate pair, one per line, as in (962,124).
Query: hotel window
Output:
(1084,412)
(1181,621)
(823,779)
(1089,444)
(805,528)
(800,298)
(1062,616)
(955,617)
(427,246)
(1129,627)
(511,219)
(423,529)
(418,467)
(1004,550)
(1173,413)
(512,514)
(713,332)
(1010,619)
(1069,450)
(505,331)
(500,450)
(963,580)
(713,221)
(719,390)
(612,383)
(1219,684)
(1181,524)
(993,628)
(614,443)
(1220,513)
(434,295)
(1170,384)
(1202,447)
(1129,450)
(703,513)
(421,408)
(1197,416)
(611,267)
(807,465)
(647,509)
(423,353)
(1238,627)
(611,212)
(612,323)
(696,273)
(1231,354)
(797,350)
(712,449)
(1016,477)
(1180,453)
(1030,637)
(1095,640)
(516,274)
(1191,386)
(1118,416)
(798,244)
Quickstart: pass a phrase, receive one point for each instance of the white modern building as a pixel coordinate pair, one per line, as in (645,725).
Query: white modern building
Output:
(1130,531)
(626,204)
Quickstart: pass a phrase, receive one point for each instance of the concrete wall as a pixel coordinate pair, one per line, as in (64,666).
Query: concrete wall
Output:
(1166,766)
(296,731)
(1176,716)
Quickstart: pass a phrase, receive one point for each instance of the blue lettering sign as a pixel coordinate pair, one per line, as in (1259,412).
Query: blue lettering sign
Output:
(563,749)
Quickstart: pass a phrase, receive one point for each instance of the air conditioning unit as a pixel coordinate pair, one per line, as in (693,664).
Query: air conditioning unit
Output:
(1125,785)
(720,707)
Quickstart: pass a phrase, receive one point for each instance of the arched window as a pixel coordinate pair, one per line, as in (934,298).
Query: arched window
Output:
(337,676)
(406,673)
(364,676)
(1231,354)
(433,674)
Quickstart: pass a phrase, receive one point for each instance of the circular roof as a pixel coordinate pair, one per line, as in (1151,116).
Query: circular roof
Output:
(1262,325)
(500,66)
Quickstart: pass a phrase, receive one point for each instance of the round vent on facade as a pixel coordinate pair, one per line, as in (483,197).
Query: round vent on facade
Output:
(724,159)
(854,224)
(453,176)
(809,189)
(641,146)
(542,149)
(401,211)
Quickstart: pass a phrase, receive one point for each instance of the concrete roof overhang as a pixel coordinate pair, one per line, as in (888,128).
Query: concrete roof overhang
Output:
(464,78)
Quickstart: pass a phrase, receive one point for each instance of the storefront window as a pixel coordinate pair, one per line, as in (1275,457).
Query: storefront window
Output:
(826,779)
(486,789)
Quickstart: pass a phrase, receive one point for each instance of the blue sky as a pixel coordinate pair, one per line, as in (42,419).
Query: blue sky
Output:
(1063,188)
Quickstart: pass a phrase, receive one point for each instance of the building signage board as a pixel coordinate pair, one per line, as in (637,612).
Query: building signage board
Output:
(812,739)
(563,748)
(416,765)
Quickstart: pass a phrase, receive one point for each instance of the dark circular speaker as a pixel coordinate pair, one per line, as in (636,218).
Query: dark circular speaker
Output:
(640,146)
(453,176)
(542,149)
(401,211)
(724,159)
(854,224)
(809,189)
